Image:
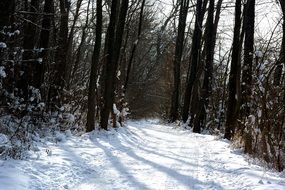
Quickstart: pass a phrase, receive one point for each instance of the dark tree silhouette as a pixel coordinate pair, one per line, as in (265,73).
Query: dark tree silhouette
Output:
(174,110)
(194,59)
(94,67)
(247,72)
(114,42)
(232,105)
(200,118)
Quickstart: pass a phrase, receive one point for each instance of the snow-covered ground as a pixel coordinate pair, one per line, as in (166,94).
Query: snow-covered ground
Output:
(144,155)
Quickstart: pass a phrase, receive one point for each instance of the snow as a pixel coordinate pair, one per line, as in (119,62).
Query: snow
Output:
(259,54)
(2,72)
(40,60)
(3,45)
(143,155)
(115,110)
(3,139)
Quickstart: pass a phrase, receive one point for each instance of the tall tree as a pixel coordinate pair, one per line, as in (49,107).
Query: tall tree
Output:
(248,58)
(195,57)
(29,43)
(44,42)
(60,55)
(94,67)
(232,105)
(200,116)
(184,5)
(114,42)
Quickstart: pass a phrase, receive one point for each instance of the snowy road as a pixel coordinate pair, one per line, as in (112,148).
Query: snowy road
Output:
(144,156)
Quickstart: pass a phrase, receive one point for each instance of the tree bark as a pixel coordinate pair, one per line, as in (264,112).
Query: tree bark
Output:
(6,11)
(248,58)
(232,105)
(174,110)
(94,67)
(60,56)
(114,42)
(44,42)
(195,57)
(199,120)
(29,43)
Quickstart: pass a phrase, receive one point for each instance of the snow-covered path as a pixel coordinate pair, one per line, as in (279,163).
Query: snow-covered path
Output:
(144,155)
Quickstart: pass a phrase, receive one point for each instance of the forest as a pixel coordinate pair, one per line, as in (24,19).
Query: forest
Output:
(214,67)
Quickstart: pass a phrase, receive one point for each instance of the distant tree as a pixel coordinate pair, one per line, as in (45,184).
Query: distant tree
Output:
(79,52)
(70,41)
(129,66)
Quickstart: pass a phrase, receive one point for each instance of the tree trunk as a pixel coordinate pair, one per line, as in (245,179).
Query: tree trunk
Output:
(7,10)
(248,57)
(177,60)
(195,57)
(60,56)
(114,41)
(29,59)
(232,105)
(94,67)
(199,120)
(44,42)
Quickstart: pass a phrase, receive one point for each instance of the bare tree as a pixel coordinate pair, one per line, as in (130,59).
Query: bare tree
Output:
(94,69)
(114,42)
(200,116)
(247,70)
(174,113)
(194,57)
(232,105)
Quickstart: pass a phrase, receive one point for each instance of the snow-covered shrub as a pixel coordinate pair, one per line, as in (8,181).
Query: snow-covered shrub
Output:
(15,137)
(262,132)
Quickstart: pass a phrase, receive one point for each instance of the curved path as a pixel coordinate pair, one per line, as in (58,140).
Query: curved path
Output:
(144,155)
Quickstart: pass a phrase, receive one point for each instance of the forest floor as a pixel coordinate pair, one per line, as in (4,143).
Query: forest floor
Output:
(143,155)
